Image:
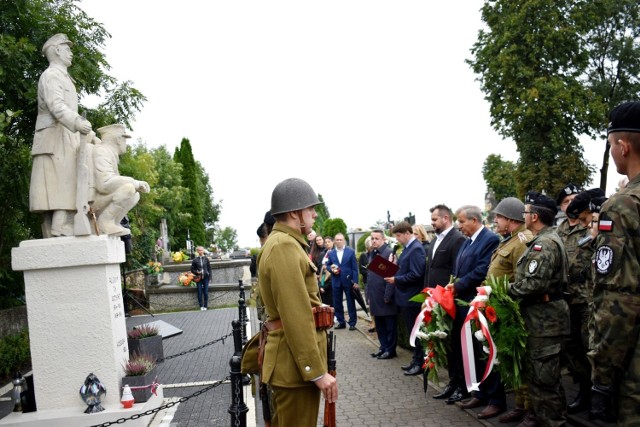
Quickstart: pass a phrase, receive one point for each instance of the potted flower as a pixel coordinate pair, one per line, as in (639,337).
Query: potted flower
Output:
(145,339)
(140,376)
(153,270)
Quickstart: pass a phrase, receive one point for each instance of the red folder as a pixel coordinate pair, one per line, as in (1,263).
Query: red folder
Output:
(382,267)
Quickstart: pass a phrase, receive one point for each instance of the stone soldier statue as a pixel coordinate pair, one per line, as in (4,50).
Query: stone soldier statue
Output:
(615,355)
(541,278)
(56,140)
(115,195)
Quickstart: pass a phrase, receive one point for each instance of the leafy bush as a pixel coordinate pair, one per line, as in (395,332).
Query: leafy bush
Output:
(14,352)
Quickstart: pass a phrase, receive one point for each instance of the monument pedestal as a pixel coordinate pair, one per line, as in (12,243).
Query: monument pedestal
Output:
(76,320)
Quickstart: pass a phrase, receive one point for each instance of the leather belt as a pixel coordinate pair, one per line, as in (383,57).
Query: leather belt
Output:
(273,325)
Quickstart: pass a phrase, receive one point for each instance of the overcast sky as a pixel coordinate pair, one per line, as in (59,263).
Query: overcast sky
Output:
(370,102)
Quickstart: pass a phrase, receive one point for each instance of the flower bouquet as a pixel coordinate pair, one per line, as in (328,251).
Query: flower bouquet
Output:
(186,279)
(433,325)
(494,320)
(335,269)
(154,267)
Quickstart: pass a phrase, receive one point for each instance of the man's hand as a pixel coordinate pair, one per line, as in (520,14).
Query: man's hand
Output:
(329,387)
(451,288)
(391,280)
(83,126)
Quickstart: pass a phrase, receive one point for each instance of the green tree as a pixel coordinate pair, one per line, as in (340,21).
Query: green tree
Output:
(195,225)
(333,226)
(500,176)
(550,71)
(25,25)
(227,239)
(323,214)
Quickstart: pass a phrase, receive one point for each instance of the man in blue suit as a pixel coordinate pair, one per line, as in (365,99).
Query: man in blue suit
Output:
(343,267)
(408,282)
(470,271)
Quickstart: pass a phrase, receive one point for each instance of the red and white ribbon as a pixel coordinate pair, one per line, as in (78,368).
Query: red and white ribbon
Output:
(466,339)
(154,386)
(428,305)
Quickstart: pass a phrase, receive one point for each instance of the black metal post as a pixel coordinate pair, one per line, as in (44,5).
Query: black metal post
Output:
(238,409)
(242,312)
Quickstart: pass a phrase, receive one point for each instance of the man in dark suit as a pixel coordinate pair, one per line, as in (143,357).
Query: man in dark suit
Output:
(408,282)
(343,267)
(440,262)
(382,303)
(470,271)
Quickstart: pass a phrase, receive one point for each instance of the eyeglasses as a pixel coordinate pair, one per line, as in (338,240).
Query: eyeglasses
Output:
(526,212)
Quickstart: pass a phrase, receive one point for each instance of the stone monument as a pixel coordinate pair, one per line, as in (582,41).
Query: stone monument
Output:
(72,276)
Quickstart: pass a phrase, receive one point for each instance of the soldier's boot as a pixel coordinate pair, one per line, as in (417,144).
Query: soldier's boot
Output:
(530,420)
(582,401)
(109,220)
(601,404)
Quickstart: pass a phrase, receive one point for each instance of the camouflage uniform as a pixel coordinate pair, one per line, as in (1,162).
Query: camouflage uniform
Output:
(616,296)
(540,281)
(577,345)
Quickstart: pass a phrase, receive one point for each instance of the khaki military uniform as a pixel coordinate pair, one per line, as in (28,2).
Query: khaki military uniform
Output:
(578,296)
(539,284)
(503,263)
(509,251)
(295,354)
(616,296)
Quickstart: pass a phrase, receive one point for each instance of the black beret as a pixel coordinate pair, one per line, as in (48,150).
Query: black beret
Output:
(568,190)
(596,203)
(538,199)
(581,202)
(269,219)
(625,118)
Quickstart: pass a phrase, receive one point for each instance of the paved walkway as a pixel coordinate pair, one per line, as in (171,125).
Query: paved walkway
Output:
(372,392)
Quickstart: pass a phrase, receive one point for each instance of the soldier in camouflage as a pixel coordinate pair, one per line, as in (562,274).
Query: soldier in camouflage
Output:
(616,353)
(577,239)
(540,280)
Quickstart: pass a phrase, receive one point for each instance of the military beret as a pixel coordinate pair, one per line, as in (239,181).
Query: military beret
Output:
(568,190)
(596,203)
(581,202)
(55,40)
(269,219)
(625,118)
(538,199)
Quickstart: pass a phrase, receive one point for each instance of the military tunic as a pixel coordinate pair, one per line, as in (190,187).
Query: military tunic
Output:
(296,354)
(616,296)
(505,257)
(539,283)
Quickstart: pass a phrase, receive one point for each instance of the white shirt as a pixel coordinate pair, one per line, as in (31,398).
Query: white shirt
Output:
(440,237)
(339,252)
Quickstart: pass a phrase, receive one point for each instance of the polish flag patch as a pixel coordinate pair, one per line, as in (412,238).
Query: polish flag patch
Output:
(537,248)
(605,225)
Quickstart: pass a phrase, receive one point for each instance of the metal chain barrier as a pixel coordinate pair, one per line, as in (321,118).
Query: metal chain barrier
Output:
(197,348)
(163,407)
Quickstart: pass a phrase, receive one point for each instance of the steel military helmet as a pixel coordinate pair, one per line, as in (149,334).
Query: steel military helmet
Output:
(510,208)
(292,194)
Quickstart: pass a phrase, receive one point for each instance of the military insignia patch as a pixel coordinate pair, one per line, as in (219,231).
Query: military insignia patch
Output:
(533,266)
(537,248)
(604,259)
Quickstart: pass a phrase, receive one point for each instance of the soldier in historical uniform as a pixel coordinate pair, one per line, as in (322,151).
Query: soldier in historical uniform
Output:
(295,355)
(579,252)
(509,224)
(616,354)
(56,141)
(540,281)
